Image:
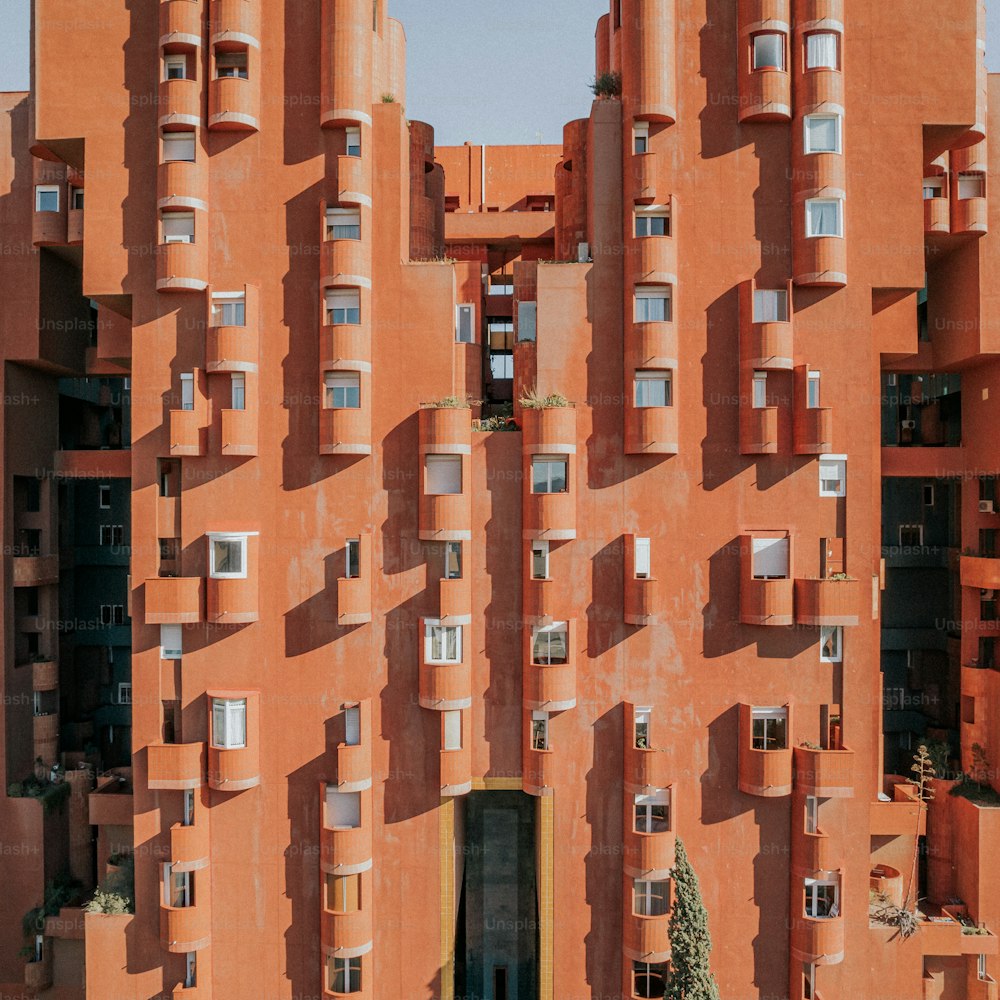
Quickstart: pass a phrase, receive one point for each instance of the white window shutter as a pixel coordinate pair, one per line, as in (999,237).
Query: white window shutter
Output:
(770,557)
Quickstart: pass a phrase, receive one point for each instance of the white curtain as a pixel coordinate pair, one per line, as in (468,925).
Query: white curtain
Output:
(821,50)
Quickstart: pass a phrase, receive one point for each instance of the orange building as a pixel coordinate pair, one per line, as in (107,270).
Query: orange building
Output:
(406,545)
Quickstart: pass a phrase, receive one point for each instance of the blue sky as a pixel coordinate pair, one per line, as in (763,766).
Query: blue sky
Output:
(498,59)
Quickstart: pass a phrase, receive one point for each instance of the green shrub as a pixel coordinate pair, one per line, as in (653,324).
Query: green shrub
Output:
(607,85)
(531,400)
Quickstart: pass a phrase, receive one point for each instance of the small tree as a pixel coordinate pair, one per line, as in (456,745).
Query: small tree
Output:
(690,942)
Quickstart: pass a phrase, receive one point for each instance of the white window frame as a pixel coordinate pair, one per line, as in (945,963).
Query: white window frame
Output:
(643,820)
(653,293)
(437,635)
(352,726)
(813,389)
(444,466)
(933,187)
(540,551)
(47,189)
(834,636)
(345,300)
(539,730)
(918,528)
(650,375)
(812,202)
(187,390)
(640,137)
(465,323)
(233,716)
(171,642)
(352,138)
(173,61)
(774,714)
(190,970)
(187,807)
(187,236)
(104,496)
(76,198)
(642,558)
(185,887)
(549,460)
(758,397)
(349,219)
(228,65)
(811,823)
(348,384)
(352,567)
(548,634)
(812,887)
(351,968)
(770,305)
(650,897)
(453,560)
(213,537)
(832,475)
(807,143)
(182,141)
(642,718)
(124,692)
(229,309)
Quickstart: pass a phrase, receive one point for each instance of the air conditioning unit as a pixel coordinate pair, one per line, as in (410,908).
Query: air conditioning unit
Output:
(986,507)
(908,425)
(986,595)
(582,253)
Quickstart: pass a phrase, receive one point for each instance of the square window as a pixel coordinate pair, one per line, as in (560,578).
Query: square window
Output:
(442,475)
(76,198)
(343,390)
(824,217)
(343,306)
(933,188)
(178,227)
(770,729)
(769,51)
(770,305)
(640,137)
(822,50)
(549,474)
(832,476)
(227,556)
(178,146)
(822,133)
(442,643)
(653,388)
(652,221)
(653,304)
(175,66)
(47,198)
(125,693)
(229,309)
(343,223)
(229,723)
(231,64)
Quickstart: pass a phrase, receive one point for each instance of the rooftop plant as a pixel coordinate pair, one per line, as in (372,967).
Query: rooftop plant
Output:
(531,400)
(607,85)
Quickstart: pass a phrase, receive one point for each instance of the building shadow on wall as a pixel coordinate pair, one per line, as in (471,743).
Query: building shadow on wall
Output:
(603,863)
(606,626)
(313,623)
(721,629)
(302,75)
(401,546)
(720,130)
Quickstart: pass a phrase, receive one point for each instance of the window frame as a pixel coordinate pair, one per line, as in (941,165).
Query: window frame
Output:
(465,311)
(104,496)
(840,462)
(650,375)
(234,710)
(228,537)
(342,293)
(237,391)
(758,389)
(838,146)
(169,651)
(822,68)
(450,462)
(42,190)
(186,237)
(540,550)
(645,293)
(549,632)
(770,716)
(640,135)
(782,66)
(435,634)
(352,132)
(836,633)
(646,810)
(642,558)
(230,60)
(645,897)
(549,460)
(453,560)
(540,730)
(649,214)
(813,895)
(814,383)
(340,211)
(229,309)
(839,203)
(762,297)
(350,387)
(352,559)
(176,138)
(173,60)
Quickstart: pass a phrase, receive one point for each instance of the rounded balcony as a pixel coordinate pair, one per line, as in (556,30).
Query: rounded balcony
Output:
(175,766)
(229,600)
(647,939)
(239,437)
(646,767)
(345,430)
(550,430)
(654,259)
(233,770)
(765,95)
(651,430)
(181,22)
(45,737)
(767,602)
(826,773)
(455,601)
(937,215)
(346,262)
(50,228)
(445,430)
(649,63)
(767,773)
(829,601)
(540,601)
(44,675)
(231,348)
(816,852)
(346,347)
(652,345)
(887,881)
(74,226)
(548,515)
(819,87)
(346,69)
(345,850)
(446,516)
(185,928)
(819,261)
(38,974)
(179,101)
(758,430)
(354,601)
(182,267)
(550,687)
(236,22)
(234,103)
(354,767)
(346,935)
(189,846)
(767,346)
(645,168)
(445,687)
(813,430)
(969,215)
(354,180)
(648,855)
(642,601)
(537,771)
(174,600)
(456,771)
(182,183)
(817,941)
